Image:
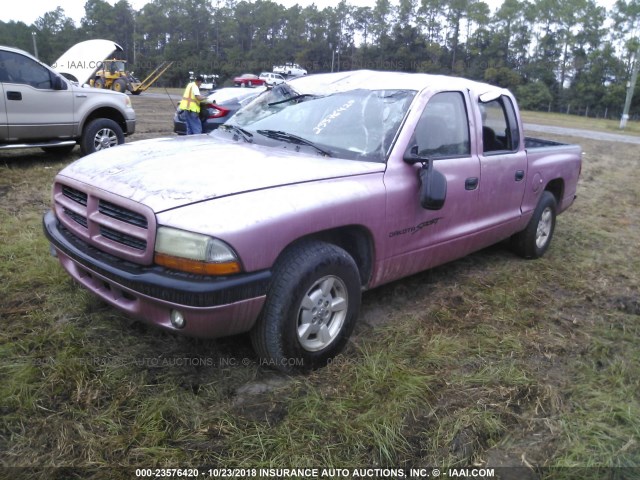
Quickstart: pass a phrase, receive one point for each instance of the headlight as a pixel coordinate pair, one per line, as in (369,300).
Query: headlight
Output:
(194,253)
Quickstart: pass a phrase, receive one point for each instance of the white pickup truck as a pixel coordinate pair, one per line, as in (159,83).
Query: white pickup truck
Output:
(39,107)
(289,70)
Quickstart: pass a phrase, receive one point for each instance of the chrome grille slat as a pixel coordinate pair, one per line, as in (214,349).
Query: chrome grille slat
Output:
(75,195)
(119,213)
(123,238)
(80,219)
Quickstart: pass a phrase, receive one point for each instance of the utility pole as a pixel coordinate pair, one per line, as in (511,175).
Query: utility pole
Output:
(631,86)
(35,45)
(332,55)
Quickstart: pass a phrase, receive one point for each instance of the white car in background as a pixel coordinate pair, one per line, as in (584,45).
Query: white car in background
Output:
(289,70)
(272,79)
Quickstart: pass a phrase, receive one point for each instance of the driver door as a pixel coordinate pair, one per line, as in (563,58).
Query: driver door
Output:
(420,238)
(34,109)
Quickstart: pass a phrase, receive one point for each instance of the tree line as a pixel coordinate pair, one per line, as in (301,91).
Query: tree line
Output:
(571,56)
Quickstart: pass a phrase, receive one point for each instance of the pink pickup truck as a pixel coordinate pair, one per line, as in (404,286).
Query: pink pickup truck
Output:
(320,188)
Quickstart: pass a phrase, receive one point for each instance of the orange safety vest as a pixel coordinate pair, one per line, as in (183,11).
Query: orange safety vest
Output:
(189,100)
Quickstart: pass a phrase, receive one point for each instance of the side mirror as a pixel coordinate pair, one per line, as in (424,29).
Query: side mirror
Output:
(433,187)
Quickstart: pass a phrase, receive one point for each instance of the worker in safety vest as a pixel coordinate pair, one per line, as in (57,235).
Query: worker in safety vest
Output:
(190,104)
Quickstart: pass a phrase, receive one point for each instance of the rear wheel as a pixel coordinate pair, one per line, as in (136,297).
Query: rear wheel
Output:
(99,134)
(533,241)
(311,308)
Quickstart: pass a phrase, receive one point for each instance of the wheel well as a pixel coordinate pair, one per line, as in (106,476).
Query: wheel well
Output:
(109,113)
(556,187)
(355,240)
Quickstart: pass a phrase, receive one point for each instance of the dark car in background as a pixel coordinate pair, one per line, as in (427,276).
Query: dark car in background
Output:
(219,107)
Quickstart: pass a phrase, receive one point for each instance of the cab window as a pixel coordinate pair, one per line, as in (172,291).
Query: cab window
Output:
(16,68)
(499,126)
(443,128)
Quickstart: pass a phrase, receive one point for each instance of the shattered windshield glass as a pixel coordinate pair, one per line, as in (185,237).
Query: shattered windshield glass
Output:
(356,124)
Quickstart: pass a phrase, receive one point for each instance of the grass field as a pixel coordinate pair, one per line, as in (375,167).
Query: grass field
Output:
(490,361)
(575,121)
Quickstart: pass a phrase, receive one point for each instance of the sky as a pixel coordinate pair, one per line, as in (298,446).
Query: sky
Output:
(30,12)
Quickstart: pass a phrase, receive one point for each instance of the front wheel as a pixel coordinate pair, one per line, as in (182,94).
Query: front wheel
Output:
(120,85)
(99,134)
(533,241)
(311,308)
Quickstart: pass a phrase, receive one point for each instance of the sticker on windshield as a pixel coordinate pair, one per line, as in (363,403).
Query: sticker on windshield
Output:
(322,124)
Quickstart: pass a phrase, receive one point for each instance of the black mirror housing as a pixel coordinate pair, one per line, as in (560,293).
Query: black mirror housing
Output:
(433,188)
(59,83)
(411,156)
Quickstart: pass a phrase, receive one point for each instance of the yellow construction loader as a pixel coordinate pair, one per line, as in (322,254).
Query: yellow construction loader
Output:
(115,76)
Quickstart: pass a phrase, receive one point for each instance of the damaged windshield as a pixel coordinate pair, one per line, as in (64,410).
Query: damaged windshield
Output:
(357,124)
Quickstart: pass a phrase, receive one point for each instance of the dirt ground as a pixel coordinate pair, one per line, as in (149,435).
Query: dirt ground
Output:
(154,112)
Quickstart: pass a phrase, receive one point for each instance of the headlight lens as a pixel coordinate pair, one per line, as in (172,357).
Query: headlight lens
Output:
(194,253)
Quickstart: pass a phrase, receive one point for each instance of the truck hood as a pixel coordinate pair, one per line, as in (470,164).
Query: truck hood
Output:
(81,61)
(166,173)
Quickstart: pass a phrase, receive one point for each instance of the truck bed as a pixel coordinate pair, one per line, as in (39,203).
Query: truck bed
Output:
(530,142)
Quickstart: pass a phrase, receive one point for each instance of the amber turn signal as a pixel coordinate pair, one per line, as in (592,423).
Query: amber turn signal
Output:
(196,266)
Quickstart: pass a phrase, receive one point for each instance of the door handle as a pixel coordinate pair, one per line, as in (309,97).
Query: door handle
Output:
(471,183)
(519,175)
(14,95)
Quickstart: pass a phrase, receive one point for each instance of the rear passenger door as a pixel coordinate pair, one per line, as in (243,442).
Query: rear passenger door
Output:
(34,110)
(503,163)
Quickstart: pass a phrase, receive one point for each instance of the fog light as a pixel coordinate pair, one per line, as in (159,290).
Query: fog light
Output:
(177,319)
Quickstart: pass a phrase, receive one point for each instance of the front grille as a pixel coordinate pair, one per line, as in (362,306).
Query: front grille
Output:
(113,224)
(117,212)
(123,238)
(75,195)
(82,220)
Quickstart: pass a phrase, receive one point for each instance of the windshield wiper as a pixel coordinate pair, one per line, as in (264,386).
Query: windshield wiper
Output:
(245,134)
(291,138)
(291,99)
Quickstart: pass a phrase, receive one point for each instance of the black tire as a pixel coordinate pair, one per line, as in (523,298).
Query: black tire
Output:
(99,83)
(120,85)
(533,241)
(298,330)
(99,134)
(62,150)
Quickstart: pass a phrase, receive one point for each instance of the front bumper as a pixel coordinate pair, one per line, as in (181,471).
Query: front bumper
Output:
(131,126)
(211,306)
